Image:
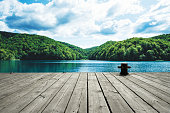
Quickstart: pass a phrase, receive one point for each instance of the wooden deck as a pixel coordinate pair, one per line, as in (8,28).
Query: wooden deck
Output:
(85,93)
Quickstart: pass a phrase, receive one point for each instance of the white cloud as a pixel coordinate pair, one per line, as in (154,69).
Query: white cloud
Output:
(4,27)
(91,21)
(156,20)
(124,7)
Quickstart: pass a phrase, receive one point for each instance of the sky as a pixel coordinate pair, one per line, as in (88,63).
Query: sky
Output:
(86,23)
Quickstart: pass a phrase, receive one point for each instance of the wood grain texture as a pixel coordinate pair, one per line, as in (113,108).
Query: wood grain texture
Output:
(20,93)
(60,101)
(155,91)
(29,97)
(13,86)
(97,103)
(44,98)
(155,79)
(78,101)
(152,100)
(153,83)
(85,92)
(114,100)
(137,104)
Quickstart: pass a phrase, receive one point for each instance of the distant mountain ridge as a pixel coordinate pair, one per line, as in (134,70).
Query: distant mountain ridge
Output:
(36,47)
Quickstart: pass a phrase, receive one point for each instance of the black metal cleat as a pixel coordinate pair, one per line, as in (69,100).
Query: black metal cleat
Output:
(124,69)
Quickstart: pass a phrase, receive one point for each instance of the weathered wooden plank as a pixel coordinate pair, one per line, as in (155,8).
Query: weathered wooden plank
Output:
(19,85)
(13,82)
(102,93)
(148,76)
(155,91)
(157,103)
(96,100)
(155,84)
(134,101)
(159,77)
(155,76)
(168,73)
(20,93)
(42,100)
(16,75)
(161,73)
(78,101)
(116,103)
(6,75)
(29,97)
(13,79)
(60,101)
(158,74)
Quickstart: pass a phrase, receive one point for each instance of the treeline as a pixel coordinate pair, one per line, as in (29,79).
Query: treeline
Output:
(35,47)
(134,49)
(32,47)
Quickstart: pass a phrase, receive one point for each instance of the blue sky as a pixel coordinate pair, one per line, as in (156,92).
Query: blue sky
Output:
(86,23)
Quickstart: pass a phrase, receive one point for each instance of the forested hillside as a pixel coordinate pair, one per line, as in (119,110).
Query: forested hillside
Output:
(134,49)
(25,46)
(35,47)
(164,37)
(83,52)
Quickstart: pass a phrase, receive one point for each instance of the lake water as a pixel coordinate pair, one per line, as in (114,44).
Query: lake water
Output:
(81,66)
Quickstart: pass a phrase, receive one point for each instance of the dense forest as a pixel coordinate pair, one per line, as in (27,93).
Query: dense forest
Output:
(32,47)
(35,47)
(134,49)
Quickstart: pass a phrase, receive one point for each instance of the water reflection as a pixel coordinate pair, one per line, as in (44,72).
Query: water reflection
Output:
(80,66)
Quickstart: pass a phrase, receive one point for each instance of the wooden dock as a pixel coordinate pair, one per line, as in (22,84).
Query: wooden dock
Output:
(85,93)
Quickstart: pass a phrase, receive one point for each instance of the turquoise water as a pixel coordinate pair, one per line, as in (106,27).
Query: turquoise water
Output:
(81,66)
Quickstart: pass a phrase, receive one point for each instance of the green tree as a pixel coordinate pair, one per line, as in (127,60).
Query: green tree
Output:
(6,55)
